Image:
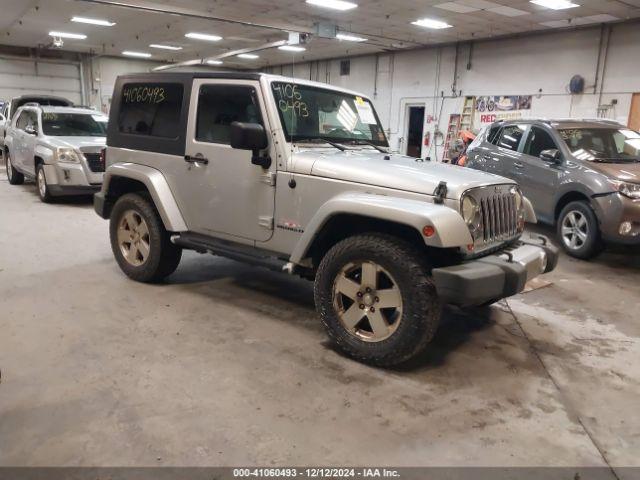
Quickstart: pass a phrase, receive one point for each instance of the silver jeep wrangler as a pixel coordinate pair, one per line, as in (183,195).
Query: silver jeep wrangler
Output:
(295,175)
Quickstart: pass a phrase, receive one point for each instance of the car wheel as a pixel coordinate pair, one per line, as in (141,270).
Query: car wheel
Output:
(41,183)
(578,230)
(139,241)
(14,176)
(376,299)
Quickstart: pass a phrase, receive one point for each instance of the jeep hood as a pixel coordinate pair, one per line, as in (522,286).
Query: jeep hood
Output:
(391,171)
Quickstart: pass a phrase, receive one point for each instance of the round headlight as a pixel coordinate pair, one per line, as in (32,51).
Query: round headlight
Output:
(471,212)
(518,194)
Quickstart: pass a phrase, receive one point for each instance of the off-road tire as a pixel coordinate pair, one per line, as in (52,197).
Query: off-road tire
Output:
(164,256)
(421,307)
(593,244)
(43,190)
(14,176)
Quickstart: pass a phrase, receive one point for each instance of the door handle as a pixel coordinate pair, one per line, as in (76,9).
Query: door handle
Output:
(197,158)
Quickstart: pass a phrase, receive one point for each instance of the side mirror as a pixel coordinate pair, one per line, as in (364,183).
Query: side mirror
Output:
(30,129)
(251,136)
(552,155)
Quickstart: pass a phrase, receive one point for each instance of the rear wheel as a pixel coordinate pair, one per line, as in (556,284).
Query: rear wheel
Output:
(578,230)
(14,176)
(376,299)
(41,183)
(139,241)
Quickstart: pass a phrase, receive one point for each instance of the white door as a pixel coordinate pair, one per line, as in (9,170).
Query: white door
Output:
(48,77)
(226,194)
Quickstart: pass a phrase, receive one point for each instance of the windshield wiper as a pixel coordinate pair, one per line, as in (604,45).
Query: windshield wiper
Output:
(358,141)
(342,148)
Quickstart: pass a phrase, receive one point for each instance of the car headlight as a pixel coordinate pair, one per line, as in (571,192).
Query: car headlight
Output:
(471,213)
(519,198)
(631,190)
(67,155)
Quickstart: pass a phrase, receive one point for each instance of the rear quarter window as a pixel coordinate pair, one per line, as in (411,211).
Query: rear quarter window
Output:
(151,109)
(492,134)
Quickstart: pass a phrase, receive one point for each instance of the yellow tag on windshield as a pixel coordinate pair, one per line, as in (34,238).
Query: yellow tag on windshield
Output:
(359,101)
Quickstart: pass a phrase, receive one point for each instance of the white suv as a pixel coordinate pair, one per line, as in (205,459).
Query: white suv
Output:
(61,147)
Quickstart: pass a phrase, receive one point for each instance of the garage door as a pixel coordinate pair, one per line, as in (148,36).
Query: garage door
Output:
(21,77)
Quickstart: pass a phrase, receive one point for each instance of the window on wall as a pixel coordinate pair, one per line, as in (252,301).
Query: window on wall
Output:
(345,67)
(151,109)
(221,105)
(511,136)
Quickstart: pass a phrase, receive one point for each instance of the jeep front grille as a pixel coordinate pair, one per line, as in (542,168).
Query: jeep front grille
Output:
(496,218)
(499,217)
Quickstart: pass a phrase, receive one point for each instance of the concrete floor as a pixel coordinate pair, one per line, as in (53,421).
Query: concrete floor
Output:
(228,365)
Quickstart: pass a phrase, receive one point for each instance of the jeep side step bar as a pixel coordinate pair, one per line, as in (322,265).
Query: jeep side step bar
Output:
(246,254)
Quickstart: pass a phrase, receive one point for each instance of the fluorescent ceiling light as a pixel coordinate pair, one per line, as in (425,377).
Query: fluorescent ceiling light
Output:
(93,21)
(215,62)
(204,36)
(248,56)
(350,38)
(130,53)
(77,36)
(333,4)
(292,48)
(164,47)
(431,23)
(555,4)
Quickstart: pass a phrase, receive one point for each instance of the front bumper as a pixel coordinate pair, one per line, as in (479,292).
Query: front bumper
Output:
(613,211)
(72,177)
(496,276)
(100,205)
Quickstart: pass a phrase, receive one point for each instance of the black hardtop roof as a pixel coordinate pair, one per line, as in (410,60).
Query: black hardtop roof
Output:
(186,76)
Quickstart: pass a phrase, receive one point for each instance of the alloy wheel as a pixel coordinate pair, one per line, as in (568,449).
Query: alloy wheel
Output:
(575,230)
(133,238)
(42,183)
(368,301)
(9,167)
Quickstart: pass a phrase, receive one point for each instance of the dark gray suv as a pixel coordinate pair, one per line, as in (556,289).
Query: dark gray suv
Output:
(582,176)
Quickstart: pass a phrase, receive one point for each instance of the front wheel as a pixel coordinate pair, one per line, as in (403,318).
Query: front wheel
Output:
(139,241)
(14,176)
(578,230)
(41,182)
(376,299)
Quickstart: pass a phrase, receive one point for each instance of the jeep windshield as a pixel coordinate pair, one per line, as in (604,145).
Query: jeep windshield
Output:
(318,114)
(611,145)
(74,124)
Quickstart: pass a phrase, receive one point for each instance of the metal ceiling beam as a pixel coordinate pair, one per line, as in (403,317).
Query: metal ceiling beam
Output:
(233,53)
(190,13)
(186,12)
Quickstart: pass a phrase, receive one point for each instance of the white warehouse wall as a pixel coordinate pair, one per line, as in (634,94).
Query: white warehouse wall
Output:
(539,65)
(101,74)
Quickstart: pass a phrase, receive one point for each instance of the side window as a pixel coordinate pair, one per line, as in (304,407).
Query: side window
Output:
(151,109)
(511,136)
(221,105)
(538,141)
(492,135)
(23,120)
